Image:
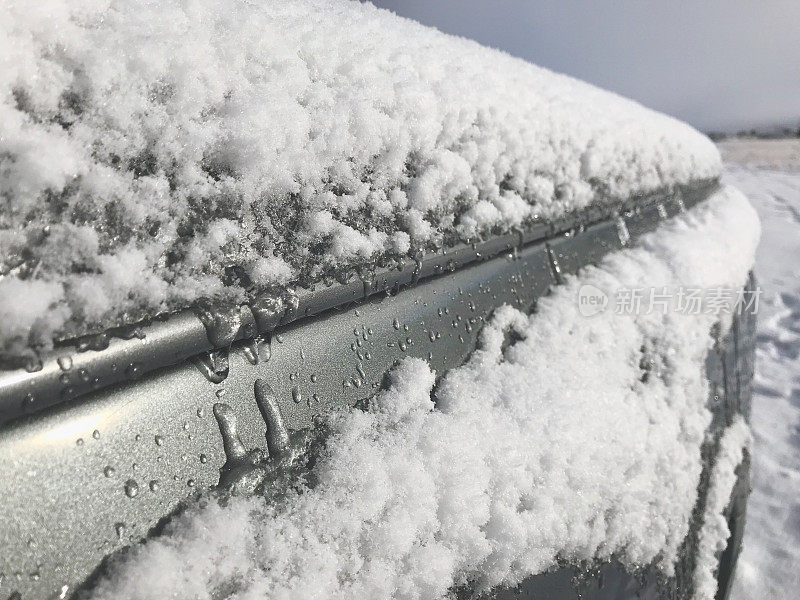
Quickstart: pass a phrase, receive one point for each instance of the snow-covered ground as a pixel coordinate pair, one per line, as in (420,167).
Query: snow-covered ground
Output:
(769,173)
(778,155)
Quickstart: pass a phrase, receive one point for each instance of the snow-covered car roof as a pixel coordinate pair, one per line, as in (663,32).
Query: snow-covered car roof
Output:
(156,154)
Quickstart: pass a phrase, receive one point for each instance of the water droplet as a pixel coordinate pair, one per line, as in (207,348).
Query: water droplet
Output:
(279,338)
(403,346)
(396,324)
(186,425)
(250,350)
(33,364)
(64,362)
(296,395)
(153,485)
(313,378)
(131,488)
(109,471)
(235,451)
(201,412)
(221,323)
(220,393)
(28,401)
(203,459)
(137,438)
(190,483)
(119,528)
(159,440)
(292,376)
(133,371)
(79,442)
(406,327)
(214,365)
(96,434)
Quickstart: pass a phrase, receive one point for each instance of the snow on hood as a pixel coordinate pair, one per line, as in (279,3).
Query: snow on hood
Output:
(557,447)
(156,153)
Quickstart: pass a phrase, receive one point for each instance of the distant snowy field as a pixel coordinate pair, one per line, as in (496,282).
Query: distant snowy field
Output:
(768,172)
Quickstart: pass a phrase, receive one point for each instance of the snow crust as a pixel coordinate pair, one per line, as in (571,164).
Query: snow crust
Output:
(154,153)
(579,441)
(714,534)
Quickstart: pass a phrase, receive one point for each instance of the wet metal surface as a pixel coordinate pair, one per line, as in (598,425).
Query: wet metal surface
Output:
(123,354)
(85,477)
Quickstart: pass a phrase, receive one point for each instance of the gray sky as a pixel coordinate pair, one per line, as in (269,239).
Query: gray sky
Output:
(719,64)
